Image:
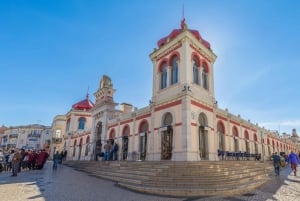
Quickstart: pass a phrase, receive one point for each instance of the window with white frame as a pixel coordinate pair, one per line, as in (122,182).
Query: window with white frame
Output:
(81,123)
(174,70)
(164,74)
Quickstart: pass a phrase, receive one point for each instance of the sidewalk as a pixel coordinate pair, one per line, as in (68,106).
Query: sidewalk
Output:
(66,184)
(285,187)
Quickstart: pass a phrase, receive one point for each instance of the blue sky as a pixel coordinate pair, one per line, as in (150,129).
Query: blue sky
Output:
(53,52)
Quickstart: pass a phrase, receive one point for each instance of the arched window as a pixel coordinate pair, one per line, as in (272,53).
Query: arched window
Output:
(164,74)
(235,132)
(195,71)
(255,137)
(205,76)
(143,128)
(81,123)
(126,131)
(247,135)
(168,119)
(112,134)
(174,71)
(202,119)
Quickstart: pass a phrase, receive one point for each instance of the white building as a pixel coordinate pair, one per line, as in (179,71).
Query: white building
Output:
(33,136)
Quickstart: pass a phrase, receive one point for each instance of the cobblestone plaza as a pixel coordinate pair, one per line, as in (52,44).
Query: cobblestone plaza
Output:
(67,184)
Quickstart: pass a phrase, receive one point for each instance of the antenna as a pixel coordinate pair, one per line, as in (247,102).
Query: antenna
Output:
(183,25)
(183,11)
(87,93)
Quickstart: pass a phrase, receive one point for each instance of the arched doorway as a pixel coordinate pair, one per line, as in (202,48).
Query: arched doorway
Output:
(235,139)
(125,139)
(87,146)
(167,137)
(98,147)
(203,135)
(256,144)
(112,136)
(143,140)
(247,142)
(79,147)
(74,148)
(221,135)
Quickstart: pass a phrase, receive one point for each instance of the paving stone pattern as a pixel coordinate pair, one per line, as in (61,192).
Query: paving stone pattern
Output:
(66,184)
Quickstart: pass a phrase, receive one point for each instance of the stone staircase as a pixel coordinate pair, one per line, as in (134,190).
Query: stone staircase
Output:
(182,179)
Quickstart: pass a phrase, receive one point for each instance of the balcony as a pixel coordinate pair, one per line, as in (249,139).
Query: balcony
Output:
(56,140)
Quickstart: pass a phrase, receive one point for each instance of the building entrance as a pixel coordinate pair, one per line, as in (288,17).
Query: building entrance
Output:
(166,144)
(202,142)
(143,146)
(124,147)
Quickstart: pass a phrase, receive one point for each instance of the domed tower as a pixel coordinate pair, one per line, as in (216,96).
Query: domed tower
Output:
(78,129)
(183,61)
(183,96)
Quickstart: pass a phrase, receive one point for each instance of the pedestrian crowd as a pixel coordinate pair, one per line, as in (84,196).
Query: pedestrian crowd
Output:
(280,161)
(111,149)
(17,160)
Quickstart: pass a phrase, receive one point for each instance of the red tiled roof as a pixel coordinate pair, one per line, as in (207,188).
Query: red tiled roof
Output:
(85,104)
(176,32)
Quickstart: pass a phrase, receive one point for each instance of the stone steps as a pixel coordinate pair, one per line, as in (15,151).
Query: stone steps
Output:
(188,191)
(180,178)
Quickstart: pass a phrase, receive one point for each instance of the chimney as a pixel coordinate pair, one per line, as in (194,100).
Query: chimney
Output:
(126,108)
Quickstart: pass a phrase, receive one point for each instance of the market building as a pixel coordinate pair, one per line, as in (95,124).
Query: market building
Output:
(182,121)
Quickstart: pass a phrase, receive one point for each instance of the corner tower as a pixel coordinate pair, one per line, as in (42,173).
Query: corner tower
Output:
(183,61)
(182,97)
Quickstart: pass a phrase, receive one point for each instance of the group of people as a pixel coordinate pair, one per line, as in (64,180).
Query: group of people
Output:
(292,159)
(111,149)
(21,159)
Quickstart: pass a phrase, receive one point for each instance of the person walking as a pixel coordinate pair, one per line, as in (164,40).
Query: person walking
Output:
(276,163)
(107,148)
(293,159)
(16,158)
(56,159)
(115,151)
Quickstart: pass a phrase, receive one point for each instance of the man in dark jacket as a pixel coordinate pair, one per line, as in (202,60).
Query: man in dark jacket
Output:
(276,163)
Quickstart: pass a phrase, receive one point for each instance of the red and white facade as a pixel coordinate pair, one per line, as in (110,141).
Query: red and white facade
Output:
(77,135)
(182,121)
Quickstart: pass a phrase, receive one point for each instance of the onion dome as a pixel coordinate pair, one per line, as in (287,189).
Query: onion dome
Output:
(176,32)
(85,104)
